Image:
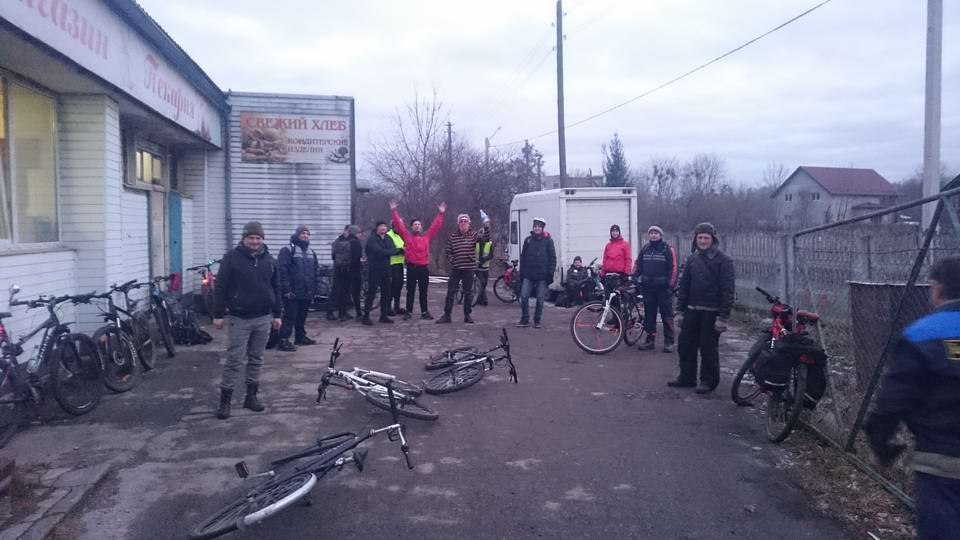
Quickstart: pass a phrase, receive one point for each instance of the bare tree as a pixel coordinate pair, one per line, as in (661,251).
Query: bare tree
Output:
(773,176)
(702,175)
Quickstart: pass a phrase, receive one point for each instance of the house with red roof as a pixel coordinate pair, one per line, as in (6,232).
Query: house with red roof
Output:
(817,195)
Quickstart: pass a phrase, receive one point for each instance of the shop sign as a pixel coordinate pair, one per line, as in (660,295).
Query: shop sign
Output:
(284,138)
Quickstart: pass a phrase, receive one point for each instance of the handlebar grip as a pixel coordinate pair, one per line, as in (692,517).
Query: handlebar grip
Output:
(406,455)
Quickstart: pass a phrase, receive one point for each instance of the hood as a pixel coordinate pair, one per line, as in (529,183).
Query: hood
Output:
(295,240)
(250,253)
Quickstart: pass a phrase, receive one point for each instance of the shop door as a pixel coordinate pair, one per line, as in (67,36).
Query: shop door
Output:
(175,220)
(158,233)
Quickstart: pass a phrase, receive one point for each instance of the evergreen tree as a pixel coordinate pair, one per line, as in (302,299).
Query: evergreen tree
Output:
(615,167)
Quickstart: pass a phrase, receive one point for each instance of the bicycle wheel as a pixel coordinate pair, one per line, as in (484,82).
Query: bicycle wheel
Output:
(783,408)
(398,385)
(504,292)
(12,407)
(257,506)
(165,329)
(406,406)
(207,300)
(449,357)
(145,341)
(77,374)
(633,325)
(120,370)
(475,291)
(745,388)
(586,334)
(455,379)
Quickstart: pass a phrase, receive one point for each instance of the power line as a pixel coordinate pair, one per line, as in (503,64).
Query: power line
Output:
(676,79)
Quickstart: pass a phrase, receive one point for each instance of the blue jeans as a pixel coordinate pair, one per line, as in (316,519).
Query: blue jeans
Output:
(525,289)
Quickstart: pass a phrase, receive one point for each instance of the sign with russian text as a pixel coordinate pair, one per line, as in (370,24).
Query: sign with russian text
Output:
(286,138)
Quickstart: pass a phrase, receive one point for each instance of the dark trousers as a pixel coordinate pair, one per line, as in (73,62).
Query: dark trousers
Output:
(347,285)
(418,278)
(396,280)
(294,318)
(378,281)
(332,295)
(658,299)
(938,506)
(482,274)
(453,286)
(698,335)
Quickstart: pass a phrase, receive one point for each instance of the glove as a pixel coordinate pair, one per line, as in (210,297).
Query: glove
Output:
(720,326)
(399,251)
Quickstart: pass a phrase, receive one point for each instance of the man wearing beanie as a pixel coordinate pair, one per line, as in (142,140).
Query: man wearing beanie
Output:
(379,250)
(347,254)
(657,271)
(297,269)
(704,300)
(249,286)
(462,255)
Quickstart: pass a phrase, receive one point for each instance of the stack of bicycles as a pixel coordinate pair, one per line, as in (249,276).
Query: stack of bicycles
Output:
(599,326)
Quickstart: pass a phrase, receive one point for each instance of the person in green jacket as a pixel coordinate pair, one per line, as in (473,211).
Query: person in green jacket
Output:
(396,272)
(484,256)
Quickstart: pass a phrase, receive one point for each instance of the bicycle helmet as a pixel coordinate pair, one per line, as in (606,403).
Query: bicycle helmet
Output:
(543,222)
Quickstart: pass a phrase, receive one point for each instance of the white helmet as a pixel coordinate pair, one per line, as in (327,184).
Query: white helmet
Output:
(541,220)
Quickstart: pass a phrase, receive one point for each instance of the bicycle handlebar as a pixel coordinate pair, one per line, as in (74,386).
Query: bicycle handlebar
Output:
(770,298)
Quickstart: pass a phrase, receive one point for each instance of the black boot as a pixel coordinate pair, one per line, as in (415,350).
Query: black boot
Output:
(331,316)
(305,340)
(285,346)
(251,402)
(223,412)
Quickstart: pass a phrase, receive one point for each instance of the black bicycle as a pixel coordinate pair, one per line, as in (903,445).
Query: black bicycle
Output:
(208,283)
(161,309)
(125,342)
(465,367)
(287,482)
(66,363)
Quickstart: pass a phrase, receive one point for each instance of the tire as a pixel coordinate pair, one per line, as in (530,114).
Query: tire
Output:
(504,292)
(745,388)
(262,503)
(634,324)
(449,357)
(207,300)
(783,408)
(453,380)
(476,291)
(398,385)
(405,407)
(161,317)
(145,340)
(11,409)
(120,370)
(585,333)
(77,374)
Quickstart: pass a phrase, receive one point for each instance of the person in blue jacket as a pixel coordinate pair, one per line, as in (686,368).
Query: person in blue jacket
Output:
(922,389)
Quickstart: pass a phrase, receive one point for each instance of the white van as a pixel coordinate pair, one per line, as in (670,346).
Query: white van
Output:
(578,220)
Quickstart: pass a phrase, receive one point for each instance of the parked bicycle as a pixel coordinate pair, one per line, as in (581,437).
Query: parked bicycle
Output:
(372,386)
(786,399)
(126,342)
(365,289)
(322,300)
(599,326)
(161,309)
(66,364)
(507,287)
(465,367)
(474,290)
(208,283)
(288,481)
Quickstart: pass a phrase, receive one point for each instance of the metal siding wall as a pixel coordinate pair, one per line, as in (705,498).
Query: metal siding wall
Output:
(37,273)
(136,242)
(283,196)
(189,278)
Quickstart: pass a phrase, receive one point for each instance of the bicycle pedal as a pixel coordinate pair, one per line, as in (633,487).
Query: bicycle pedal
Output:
(242,471)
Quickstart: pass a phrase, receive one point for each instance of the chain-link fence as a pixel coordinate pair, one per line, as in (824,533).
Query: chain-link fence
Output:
(866,277)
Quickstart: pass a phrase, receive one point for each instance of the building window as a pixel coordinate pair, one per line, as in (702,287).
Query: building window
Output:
(149,168)
(788,197)
(28,166)
(815,196)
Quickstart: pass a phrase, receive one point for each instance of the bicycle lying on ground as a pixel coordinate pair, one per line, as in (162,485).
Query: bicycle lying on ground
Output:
(67,362)
(598,327)
(372,386)
(464,367)
(208,283)
(124,340)
(786,399)
(287,482)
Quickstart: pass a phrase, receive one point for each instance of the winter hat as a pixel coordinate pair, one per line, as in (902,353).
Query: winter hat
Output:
(463,217)
(577,258)
(615,227)
(705,228)
(353,229)
(253,228)
(301,229)
(654,228)
(379,223)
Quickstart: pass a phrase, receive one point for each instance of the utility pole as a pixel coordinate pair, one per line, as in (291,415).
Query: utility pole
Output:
(931,109)
(539,157)
(561,132)
(526,165)
(486,149)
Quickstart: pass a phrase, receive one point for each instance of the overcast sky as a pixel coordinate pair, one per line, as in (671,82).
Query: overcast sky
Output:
(843,86)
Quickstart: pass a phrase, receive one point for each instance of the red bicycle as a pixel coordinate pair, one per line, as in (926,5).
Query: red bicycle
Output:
(208,282)
(506,288)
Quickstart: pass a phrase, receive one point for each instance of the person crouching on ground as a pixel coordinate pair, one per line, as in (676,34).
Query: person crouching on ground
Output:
(657,270)
(247,285)
(379,250)
(462,256)
(576,275)
(538,262)
(418,256)
(704,300)
(298,268)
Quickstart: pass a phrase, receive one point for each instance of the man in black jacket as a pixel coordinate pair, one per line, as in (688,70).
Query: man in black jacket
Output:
(298,268)
(247,285)
(657,268)
(704,300)
(380,248)
(347,255)
(538,262)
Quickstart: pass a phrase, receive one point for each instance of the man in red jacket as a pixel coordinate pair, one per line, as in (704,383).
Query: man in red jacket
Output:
(416,246)
(616,255)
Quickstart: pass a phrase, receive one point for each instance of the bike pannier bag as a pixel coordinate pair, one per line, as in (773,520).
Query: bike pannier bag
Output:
(772,370)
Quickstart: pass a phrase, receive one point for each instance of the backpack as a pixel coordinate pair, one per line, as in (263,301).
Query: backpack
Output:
(341,253)
(187,331)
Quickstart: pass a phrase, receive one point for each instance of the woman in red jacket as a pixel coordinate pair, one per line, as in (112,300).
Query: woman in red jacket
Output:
(416,246)
(616,256)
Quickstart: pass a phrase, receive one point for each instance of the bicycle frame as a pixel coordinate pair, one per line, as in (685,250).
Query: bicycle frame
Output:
(353,380)
(489,361)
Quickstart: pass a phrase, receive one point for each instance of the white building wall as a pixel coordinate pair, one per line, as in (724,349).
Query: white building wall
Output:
(48,272)
(800,187)
(216,207)
(136,241)
(189,279)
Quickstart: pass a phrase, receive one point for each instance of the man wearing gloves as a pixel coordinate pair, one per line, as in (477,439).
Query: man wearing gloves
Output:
(538,262)
(484,256)
(247,284)
(396,271)
(417,252)
(657,270)
(704,300)
(297,267)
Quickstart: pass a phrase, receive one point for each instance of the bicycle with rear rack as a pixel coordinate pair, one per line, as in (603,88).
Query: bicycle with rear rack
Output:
(208,283)
(66,363)
(290,479)
(466,366)
(161,308)
(372,386)
(785,400)
(599,326)
(126,342)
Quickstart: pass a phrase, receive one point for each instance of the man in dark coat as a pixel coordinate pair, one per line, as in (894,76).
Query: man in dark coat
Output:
(247,285)
(347,255)
(922,389)
(298,269)
(657,269)
(538,262)
(704,300)
(379,250)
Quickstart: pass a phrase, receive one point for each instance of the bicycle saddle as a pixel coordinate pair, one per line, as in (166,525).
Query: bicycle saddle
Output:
(808,315)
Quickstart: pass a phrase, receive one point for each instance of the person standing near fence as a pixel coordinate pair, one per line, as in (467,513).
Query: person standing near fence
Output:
(379,250)
(657,270)
(417,246)
(922,389)
(704,300)
(249,286)
(298,269)
(538,263)
(462,255)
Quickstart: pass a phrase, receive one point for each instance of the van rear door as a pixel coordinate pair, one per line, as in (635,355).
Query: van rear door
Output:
(588,224)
